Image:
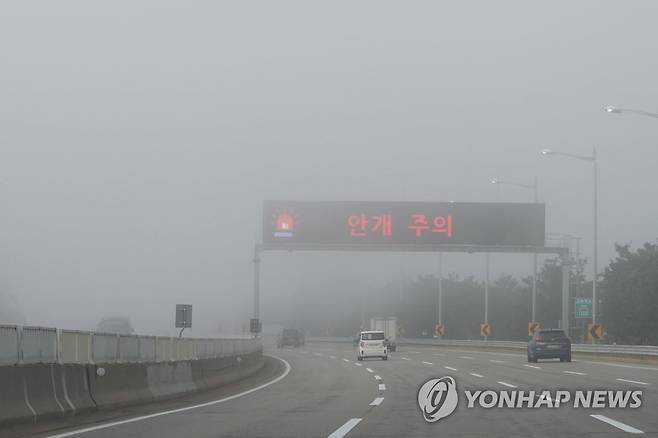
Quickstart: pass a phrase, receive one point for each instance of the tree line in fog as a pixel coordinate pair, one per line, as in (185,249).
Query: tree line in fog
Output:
(628,300)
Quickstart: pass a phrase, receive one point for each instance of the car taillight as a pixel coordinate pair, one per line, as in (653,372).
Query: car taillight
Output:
(362,344)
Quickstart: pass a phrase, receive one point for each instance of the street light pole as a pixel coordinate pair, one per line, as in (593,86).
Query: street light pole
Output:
(596,233)
(440,310)
(594,161)
(534,267)
(486,292)
(534,188)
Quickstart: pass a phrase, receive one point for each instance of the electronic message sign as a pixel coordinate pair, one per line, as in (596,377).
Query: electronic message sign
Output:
(299,223)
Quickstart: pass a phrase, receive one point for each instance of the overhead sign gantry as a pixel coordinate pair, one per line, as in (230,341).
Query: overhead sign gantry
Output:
(387,225)
(407,226)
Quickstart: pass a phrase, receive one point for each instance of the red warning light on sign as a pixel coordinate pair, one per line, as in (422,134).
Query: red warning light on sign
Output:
(285,225)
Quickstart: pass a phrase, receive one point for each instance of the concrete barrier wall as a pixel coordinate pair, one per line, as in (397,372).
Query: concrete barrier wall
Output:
(38,392)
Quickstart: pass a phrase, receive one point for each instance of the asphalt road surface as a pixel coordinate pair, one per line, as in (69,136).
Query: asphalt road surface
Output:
(320,390)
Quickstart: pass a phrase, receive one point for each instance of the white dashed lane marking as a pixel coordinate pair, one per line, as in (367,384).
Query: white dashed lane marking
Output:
(369,370)
(509,385)
(532,366)
(345,428)
(476,375)
(465,357)
(405,358)
(376,402)
(377,377)
(632,381)
(333,357)
(382,387)
(617,424)
(496,361)
(346,360)
(428,363)
(575,372)
(450,368)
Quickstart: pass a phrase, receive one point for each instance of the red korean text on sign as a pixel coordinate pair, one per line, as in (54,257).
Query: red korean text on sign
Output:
(442,224)
(383,225)
(358,225)
(439,224)
(419,223)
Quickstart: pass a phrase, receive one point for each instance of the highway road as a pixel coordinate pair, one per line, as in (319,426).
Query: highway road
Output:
(320,390)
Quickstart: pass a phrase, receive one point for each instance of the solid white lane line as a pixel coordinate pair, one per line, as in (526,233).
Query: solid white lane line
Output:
(496,361)
(175,411)
(377,377)
(615,423)
(632,381)
(476,375)
(428,363)
(465,357)
(509,385)
(532,366)
(376,402)
(575,372)
(345,428)
(405,358)
(382,387)
(450,368)
(346,360)
(358,364)
(369,370)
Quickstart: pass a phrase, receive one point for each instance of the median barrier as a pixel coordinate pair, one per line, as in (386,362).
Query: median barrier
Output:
(648,353)
(113,385)
(14,405)
(75,385)
(47,373)
(44,390)
(170,378)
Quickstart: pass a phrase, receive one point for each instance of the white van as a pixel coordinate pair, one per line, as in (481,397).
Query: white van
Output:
(371,344)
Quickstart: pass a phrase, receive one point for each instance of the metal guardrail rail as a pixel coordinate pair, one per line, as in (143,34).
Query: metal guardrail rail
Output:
(632,350)
(23,344)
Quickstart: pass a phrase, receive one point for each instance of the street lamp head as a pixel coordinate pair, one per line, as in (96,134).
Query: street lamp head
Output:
(547,152)
(611,109)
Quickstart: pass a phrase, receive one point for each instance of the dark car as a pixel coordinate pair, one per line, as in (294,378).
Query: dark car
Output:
(548,344)
(290,337)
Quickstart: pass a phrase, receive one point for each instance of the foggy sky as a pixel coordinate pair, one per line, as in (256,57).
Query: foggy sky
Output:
(140,138)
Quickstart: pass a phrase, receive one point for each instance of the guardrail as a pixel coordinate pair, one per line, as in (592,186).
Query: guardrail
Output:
(24,344)
(632,350)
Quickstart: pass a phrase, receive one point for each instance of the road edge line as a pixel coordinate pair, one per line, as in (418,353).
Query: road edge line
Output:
(175,411)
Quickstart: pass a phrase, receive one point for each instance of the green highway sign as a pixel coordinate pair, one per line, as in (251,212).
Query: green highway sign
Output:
(582,308)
